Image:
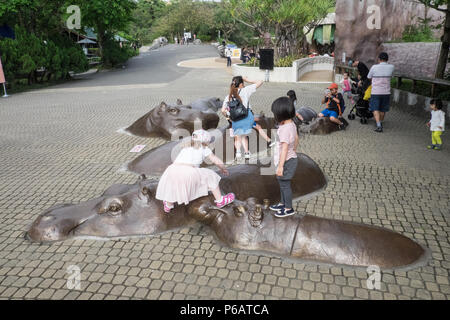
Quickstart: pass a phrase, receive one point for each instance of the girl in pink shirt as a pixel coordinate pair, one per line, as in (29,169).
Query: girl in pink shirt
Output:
(346,85)
(285,157)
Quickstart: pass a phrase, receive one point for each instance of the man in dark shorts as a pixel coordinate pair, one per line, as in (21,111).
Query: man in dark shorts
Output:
(381,75)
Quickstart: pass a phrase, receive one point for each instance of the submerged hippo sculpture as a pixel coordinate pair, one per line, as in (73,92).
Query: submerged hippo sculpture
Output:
(167,120)
(205,104)
(132,210)
(320,126)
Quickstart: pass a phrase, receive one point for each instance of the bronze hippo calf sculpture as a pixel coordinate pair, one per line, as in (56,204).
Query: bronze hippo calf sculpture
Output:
(132,210)
(312,124)
(169,121)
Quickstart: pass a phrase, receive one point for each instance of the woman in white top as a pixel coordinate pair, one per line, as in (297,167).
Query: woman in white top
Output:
(242,127)
(184,180)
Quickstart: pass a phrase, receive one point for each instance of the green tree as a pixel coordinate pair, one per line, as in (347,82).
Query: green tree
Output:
(144,16)
(284,18)
(106,16)
(442,6)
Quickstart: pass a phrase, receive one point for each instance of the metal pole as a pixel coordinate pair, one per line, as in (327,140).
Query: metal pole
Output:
(267,75)
(4,88)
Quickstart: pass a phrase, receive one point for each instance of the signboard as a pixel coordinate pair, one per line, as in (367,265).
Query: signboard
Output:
(187,35)
(236,53)
(137,148)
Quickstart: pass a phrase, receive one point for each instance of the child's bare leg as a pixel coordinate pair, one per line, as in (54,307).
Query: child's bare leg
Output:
(263,133)
(333,119)
(237,143)
(217,194)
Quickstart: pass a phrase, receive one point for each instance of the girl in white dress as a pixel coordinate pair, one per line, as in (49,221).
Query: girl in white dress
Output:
(184,180)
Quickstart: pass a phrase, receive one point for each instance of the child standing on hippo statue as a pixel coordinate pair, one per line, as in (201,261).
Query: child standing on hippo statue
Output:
(184,180)
(436,124)
(335,105)
(285,157)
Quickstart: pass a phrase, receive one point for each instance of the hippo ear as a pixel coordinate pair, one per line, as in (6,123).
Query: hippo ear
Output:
(162,107)
(179,102)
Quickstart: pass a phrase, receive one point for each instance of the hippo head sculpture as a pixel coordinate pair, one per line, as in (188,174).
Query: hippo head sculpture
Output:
(166,121)
(131,210)
(205,104)
(250,226)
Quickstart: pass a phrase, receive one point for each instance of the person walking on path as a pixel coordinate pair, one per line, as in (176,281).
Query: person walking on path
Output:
(381,75)
(241,128)
(184,180)
(228,54)
(285,156)
(436,124)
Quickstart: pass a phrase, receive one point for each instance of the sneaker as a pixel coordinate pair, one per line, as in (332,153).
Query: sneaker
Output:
(247,155)
(432,146)
(437,147)
(166,207)
(277,207)
(379,129)
(225,200)
(238,155)
(272,144)
(284,213)
(341,127)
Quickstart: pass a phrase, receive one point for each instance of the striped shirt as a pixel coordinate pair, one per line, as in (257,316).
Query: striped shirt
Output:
(381,75)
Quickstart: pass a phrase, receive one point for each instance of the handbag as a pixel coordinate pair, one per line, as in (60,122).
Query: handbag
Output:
(237,110)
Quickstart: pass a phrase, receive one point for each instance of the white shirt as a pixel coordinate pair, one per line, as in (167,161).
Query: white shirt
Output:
(437,120)
(193,156)
(245,94)
(381,75)
(228,53)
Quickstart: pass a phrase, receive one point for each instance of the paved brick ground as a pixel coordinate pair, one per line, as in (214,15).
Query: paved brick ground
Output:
(60,145)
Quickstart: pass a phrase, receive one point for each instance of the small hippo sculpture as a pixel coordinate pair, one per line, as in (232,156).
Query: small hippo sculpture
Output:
(205,104)
(320,126)
(167,121)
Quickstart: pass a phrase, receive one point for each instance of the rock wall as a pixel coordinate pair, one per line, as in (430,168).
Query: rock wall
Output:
(362,26)
(415,59)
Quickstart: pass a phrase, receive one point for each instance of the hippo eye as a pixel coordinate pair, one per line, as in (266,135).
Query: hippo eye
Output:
(173,111)
(114,207)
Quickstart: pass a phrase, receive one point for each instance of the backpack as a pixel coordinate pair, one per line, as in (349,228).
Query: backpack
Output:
(237,110)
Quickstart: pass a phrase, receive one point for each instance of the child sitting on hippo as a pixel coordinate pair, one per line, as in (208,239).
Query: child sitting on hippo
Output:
(335,105)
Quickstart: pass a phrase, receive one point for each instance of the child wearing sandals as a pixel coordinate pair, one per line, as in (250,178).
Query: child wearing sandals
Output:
(184,180)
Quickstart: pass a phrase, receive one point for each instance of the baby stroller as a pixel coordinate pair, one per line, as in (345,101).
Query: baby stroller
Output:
(361,106)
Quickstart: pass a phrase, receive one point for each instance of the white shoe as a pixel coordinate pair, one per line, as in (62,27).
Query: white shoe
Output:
(238,155)
(247,155)
(272,144)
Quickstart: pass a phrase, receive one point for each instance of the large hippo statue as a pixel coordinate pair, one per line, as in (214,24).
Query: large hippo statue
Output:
(132,210)
(167,121)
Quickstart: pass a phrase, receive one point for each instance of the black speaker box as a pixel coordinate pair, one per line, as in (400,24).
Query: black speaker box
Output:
(266,59)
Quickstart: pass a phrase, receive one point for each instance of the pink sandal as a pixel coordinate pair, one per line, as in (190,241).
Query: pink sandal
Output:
(226,200)
(166,207)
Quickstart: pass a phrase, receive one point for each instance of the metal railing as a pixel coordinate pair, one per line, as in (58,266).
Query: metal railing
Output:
(434,83)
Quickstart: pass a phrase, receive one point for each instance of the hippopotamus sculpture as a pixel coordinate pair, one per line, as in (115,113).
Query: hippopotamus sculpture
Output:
(154,162)
(320,126)
(167,121)
(307,113)
(132,210)
(205,104)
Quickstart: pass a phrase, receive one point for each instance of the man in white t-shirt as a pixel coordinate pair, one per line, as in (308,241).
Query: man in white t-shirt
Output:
(381,75)
(228,54)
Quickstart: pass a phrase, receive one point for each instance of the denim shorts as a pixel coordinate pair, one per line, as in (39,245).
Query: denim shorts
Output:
(380,102)
(329,113)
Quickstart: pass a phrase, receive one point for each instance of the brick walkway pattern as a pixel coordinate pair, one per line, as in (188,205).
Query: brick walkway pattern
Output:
(59,145)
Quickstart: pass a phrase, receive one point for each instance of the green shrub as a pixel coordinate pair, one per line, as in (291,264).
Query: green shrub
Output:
(253,62)
(285,62)
(204,37)
(422,33)
(114,55)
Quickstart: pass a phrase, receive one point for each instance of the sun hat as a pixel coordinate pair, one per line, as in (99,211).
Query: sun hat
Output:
(201,136)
